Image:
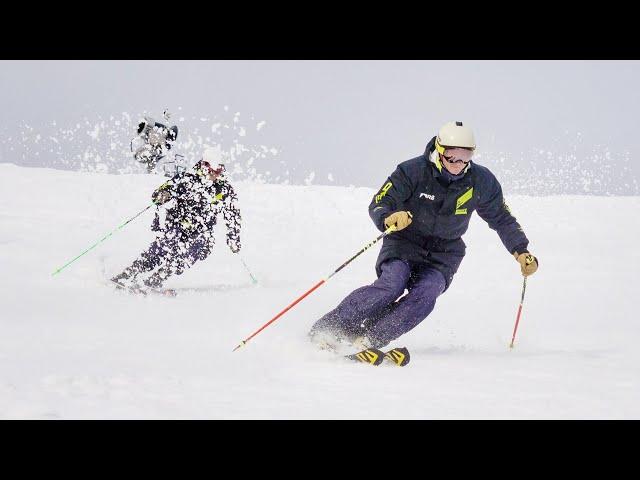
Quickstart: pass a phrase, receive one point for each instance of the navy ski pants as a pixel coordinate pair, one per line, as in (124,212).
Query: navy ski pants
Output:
(373,311)
(173,252)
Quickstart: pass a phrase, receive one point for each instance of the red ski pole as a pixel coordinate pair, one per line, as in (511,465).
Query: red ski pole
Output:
(392,228)
(515,329)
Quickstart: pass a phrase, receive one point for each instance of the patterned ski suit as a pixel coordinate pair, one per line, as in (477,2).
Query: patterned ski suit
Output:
(188,206)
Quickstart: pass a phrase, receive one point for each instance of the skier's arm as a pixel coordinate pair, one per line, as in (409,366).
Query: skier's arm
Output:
(391,197)
(232,219)
(172,188)
(493,210)
(163,193)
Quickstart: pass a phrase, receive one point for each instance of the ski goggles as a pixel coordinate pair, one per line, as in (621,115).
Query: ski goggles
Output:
(206,167)
(457,155)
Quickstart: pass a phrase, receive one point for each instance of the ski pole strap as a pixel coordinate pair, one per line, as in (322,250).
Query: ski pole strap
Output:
(101,240)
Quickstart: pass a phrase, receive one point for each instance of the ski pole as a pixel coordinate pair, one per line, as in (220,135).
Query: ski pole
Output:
(101,240)
(392,228)
(515,329)
(253,279)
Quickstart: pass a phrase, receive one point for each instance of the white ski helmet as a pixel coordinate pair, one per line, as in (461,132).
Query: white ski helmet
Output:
(212,155)
(455,134)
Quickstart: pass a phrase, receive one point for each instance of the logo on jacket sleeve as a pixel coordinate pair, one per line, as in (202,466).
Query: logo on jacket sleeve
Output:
(462,199)
(427,196)
(383,191)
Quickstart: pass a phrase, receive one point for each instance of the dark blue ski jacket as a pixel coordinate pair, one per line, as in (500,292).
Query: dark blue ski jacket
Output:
(441,210)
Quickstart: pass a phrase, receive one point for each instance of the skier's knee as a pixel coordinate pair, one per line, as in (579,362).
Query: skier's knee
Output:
(393,281)
(430,287)
(202,253)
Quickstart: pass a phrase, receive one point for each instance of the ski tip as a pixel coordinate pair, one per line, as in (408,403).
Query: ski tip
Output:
(400,356)
(372,356)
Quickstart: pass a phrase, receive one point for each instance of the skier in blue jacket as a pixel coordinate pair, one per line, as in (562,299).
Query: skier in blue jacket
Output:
(429,199)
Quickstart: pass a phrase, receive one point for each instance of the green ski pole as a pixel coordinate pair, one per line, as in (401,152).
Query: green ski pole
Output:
(101,240)
(253,279)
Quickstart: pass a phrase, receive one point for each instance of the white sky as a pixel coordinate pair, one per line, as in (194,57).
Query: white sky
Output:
(353,119)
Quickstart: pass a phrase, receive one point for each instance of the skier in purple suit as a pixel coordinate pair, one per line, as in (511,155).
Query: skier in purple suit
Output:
(192,202)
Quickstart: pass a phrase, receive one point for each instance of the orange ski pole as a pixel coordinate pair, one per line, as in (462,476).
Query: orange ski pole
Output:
(515,329)
(392,228)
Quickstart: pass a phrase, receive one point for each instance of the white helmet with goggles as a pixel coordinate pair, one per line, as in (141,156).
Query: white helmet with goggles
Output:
(455,142)
(455,134)
(210,163)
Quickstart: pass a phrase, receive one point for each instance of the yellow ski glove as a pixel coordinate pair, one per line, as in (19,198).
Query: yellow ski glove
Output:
(399,219)
(528,263)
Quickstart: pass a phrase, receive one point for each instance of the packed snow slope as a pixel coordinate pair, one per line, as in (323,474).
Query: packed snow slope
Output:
(71,347)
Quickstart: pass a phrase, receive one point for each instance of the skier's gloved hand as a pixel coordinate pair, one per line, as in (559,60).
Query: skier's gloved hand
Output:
(528,263)
(399,219)
(161,196)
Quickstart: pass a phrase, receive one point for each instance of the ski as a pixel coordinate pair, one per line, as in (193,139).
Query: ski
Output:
(400,356)
(135,290)
(166,292)
(373,356)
